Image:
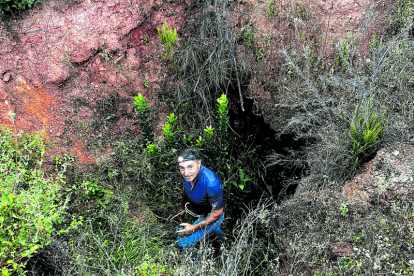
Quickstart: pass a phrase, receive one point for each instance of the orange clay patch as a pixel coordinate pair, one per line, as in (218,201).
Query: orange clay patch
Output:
(37,105)
(82,152)
(36,113)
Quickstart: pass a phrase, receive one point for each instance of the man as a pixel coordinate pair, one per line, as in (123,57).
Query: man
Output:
(202,198)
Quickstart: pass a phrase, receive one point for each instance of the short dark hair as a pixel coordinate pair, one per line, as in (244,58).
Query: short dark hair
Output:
(188,153)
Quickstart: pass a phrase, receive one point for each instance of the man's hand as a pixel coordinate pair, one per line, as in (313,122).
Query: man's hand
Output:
(188,229)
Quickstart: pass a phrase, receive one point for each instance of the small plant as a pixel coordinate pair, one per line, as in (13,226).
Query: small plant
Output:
(168,38)
(93,191)
(271,10)
(260,52)
(344,209)
(248,35)
(152,149)
(358,239)
(209,132)
(347,263)
(149,267)
(303,37)
(187,138)
(146,83)
(374,41)
(343,54)
(145,39)
(366,132)
(144,114)
(222,125)
(170,131)
(244,178)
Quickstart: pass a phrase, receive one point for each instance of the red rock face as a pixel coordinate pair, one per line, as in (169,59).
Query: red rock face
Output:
(94,50)
(388,177)
(89,51)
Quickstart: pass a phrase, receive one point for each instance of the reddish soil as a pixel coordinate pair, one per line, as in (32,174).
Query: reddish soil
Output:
(70,61)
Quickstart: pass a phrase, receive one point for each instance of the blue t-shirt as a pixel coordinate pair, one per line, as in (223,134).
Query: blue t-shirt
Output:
(205,193)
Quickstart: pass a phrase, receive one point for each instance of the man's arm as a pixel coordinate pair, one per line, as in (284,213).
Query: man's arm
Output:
(212,217)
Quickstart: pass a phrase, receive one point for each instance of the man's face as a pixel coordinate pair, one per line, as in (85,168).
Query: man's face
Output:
(189,169)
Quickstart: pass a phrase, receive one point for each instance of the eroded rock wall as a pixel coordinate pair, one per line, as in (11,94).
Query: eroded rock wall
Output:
(65,53)
(66,63)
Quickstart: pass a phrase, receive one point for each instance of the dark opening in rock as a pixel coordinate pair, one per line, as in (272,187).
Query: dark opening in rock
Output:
(250,127)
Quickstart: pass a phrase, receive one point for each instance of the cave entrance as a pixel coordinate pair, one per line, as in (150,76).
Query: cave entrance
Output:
(247,127)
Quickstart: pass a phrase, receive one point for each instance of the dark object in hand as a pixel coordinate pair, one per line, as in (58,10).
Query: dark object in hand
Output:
(178,228)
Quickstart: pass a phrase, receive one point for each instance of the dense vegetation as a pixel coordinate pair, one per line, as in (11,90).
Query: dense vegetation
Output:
(112,219)
(31,200)
(9,6)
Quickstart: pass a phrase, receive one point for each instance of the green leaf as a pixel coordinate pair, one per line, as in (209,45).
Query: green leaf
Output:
(241,186)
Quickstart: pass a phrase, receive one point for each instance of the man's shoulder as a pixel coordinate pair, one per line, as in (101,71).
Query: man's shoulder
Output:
(209,175)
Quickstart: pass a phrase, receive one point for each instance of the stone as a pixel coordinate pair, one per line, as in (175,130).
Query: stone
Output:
(85,50)
(57,74)
(6,77)
(387,177)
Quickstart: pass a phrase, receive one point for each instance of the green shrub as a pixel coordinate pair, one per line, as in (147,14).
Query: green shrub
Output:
(144,113)
(30,200)
(365,133)
(148,267)
(9,5)
(222,127)
(171,131)
(168,38)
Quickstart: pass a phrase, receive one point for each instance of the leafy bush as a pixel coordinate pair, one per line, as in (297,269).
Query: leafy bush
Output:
(144,117)
(31,202)
(9,5)
(148,267)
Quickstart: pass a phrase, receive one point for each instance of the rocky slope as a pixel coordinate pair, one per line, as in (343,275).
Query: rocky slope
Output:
(62,65)
(65,53)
